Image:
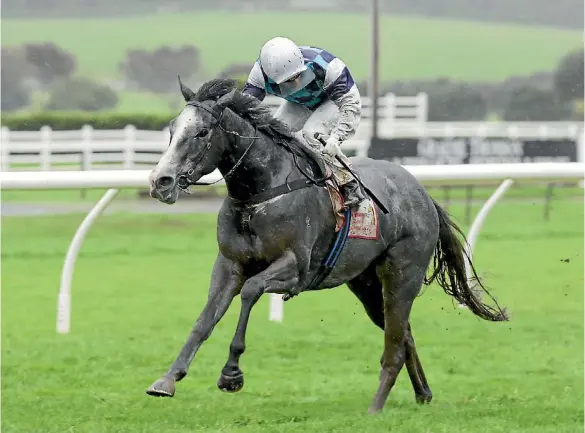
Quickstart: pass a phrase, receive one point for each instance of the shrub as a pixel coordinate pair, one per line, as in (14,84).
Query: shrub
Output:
(14,93)
(50,62)
(81,94)
(530,103)
(157,71)
(568,78)
(64,120)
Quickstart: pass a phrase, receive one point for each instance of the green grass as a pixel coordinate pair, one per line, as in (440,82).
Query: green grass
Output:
(410,47)
(526,191)
(141,280)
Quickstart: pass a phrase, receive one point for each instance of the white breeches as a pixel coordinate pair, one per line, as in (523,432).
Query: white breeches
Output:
(306,122)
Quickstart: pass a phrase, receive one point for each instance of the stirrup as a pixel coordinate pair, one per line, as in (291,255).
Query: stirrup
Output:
(352,194)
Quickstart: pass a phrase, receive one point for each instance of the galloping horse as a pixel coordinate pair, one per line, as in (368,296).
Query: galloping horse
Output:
(276,232)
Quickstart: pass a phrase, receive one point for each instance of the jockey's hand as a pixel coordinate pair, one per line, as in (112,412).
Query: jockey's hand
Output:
(332,147)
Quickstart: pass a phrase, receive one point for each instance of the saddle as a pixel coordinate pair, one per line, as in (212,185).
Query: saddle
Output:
(297,146)
(364,222)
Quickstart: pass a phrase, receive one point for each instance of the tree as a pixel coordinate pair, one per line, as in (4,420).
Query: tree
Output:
(13,91)
(531,103)
(81,94)
(455,101)
(569,76)
(157,71)
(50,61)
(448,100)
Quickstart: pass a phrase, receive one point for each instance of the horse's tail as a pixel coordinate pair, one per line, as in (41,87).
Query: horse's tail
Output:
(449,271)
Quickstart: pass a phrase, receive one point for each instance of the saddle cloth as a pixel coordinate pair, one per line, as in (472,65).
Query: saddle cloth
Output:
(364,223)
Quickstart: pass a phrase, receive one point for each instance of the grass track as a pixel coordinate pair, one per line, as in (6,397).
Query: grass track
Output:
(411,47)
(141,280)
(526,191)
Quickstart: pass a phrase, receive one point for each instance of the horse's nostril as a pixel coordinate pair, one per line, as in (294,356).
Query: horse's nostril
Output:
(164,182)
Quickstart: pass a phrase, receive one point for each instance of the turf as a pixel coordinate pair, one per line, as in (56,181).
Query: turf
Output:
(141,280)
(534,192)
(410,47)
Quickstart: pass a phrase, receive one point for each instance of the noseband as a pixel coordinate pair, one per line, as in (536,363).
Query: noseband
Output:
(184,181)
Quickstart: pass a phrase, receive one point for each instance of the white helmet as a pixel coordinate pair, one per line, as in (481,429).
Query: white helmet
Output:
(281,59)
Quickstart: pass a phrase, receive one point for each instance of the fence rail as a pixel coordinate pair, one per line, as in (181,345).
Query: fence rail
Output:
(390,107)
(130,148)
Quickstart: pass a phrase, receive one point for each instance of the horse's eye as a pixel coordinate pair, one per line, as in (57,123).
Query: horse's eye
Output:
(203,133)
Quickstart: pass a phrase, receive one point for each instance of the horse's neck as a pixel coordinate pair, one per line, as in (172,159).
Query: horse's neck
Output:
(265,165)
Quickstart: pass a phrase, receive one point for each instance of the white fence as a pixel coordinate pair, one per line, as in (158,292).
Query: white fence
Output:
(390,107)
(131,148)
(468,174)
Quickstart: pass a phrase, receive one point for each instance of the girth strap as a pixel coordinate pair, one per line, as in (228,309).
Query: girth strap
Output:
(328,264)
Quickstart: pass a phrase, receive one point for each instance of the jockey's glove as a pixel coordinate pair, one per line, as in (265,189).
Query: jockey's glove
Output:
(332,147)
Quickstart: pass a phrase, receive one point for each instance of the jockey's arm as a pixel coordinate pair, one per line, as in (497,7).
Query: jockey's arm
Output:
(255,84)
(341,89)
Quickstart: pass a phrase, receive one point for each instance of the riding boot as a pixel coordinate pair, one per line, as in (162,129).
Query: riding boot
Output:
(353,194)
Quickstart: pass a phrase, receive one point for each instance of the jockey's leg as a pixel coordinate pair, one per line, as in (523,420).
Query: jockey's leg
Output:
(322,121)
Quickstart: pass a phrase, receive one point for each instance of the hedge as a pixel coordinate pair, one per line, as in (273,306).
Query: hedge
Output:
(75,120)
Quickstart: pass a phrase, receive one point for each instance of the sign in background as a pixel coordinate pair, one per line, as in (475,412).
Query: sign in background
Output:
(472,150)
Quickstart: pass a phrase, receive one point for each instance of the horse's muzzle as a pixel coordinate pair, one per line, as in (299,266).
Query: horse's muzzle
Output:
(164,189)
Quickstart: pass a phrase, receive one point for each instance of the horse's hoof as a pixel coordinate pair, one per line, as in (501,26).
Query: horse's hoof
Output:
(423,398)
(231,383)
(374,410)
(164,387)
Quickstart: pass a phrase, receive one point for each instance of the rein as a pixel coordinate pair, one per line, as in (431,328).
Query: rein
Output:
(183,182)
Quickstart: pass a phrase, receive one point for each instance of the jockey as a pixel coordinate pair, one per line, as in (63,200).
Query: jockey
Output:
(320,97)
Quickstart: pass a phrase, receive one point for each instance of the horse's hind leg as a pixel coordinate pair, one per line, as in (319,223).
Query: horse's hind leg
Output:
(368,289)
(402,274)
(422,390)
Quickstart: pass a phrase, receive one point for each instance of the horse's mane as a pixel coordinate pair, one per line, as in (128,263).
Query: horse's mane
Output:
(226,94)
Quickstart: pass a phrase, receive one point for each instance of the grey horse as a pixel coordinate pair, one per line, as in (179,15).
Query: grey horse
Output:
(277,224)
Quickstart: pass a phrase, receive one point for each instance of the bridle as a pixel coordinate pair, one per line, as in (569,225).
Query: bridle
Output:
(183,180)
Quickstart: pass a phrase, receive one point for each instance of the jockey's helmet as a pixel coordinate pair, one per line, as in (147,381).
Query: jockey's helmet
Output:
(281,59)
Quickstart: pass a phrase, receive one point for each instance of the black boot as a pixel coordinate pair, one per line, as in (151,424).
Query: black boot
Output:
(353,194)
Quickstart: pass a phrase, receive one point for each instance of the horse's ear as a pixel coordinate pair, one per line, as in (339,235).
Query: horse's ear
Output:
(188,94)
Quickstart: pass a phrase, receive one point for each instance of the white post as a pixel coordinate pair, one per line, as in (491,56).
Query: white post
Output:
(86,137)
(543,132)
(276,307)
(481,130)
(479,220)
(422,107)
(130,144)
(45,152)
(64,301)
(512,132)
(5,149)
(390,100)
(448,131)
(578,134)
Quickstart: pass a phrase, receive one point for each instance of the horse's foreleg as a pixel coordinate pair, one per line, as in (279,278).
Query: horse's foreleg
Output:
(226,281)
(280,277)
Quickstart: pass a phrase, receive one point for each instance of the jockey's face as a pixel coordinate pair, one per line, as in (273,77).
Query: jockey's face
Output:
(294,80)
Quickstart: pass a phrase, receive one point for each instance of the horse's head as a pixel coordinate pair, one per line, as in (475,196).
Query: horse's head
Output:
(194,150)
